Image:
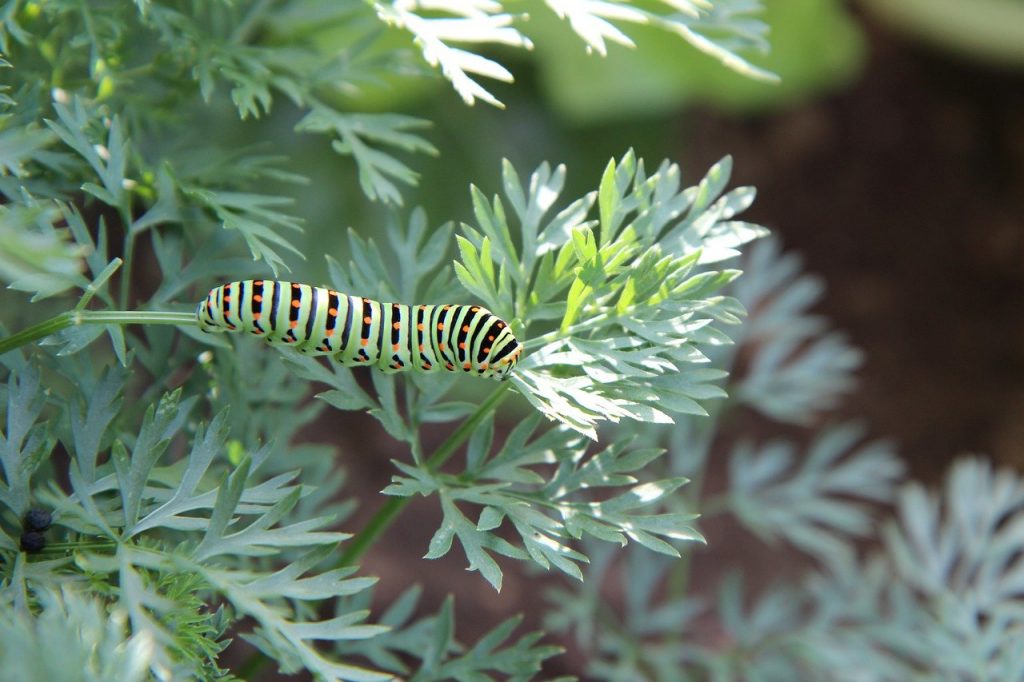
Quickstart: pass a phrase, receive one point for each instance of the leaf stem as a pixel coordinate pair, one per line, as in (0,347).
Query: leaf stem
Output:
(126,274)
(590,323)
(97,284)
(701,442)
(75,318)
(250,21)
(389,511)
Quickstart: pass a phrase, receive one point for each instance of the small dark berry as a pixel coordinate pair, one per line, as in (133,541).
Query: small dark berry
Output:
(38,519)
(32,542)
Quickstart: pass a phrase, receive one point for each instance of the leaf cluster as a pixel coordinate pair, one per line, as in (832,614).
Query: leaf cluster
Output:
(800,368)
(821,501)
(616,314)
(546,513)
(632,299)
(937,597)
(938,600)
(167,532)
(167,507)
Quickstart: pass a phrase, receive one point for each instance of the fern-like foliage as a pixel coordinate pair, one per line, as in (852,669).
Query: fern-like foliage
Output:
(458,22)
(257,52)
(622,307)
(936,596)
(229,531)
(546,513)
(618,314)
(189,514)
(35,255)
(167,532)
(816,501)
(83,119)
(821,501)
(800,369)
(632,300)
(940,599)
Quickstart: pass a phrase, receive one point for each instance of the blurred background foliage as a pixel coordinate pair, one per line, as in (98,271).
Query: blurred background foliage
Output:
(989,31)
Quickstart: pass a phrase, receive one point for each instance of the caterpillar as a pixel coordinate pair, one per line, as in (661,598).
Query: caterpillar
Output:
(358,331)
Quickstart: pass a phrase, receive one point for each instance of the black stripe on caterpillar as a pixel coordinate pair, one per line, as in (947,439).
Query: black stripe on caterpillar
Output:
(359,331)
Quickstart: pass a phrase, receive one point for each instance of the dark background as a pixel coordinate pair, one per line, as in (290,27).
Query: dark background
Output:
(907,194)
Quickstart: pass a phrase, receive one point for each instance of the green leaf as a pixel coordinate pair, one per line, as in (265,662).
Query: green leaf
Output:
(91,415)
(255,216)
(357,133)
(108,160)
(800,368)
(476,545)
(25,440)
(523,658)
(206,446)
(36,256)
(442,639)
(94,643)
(229,493)
(418,482)
(816,502)
(161,422)
(457,23)
(816,47)
(431,640)
(636,312)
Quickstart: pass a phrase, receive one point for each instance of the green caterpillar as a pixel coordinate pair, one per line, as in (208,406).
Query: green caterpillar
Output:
(358,331)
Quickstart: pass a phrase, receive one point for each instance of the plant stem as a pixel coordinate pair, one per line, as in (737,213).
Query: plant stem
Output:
(249,22)
(390,510)
(591,323)
(75,318)
(703,435)
(97,284)
(126,274)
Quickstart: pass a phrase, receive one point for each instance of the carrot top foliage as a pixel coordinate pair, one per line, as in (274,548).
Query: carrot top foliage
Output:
(188,511)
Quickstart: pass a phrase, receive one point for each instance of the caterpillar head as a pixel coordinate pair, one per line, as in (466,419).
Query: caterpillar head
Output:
(204,315)
(503,368)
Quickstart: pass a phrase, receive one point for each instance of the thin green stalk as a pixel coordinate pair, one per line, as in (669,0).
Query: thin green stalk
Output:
(125,209)
(244,29)
(679,577)
(95,285)
(62,548)
(389,511)
(126,276)
(590,323)
(75,318)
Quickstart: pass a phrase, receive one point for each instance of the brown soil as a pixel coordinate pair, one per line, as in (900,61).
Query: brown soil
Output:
(907,194)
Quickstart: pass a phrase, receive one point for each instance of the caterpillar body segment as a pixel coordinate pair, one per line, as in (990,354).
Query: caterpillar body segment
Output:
(359,331)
